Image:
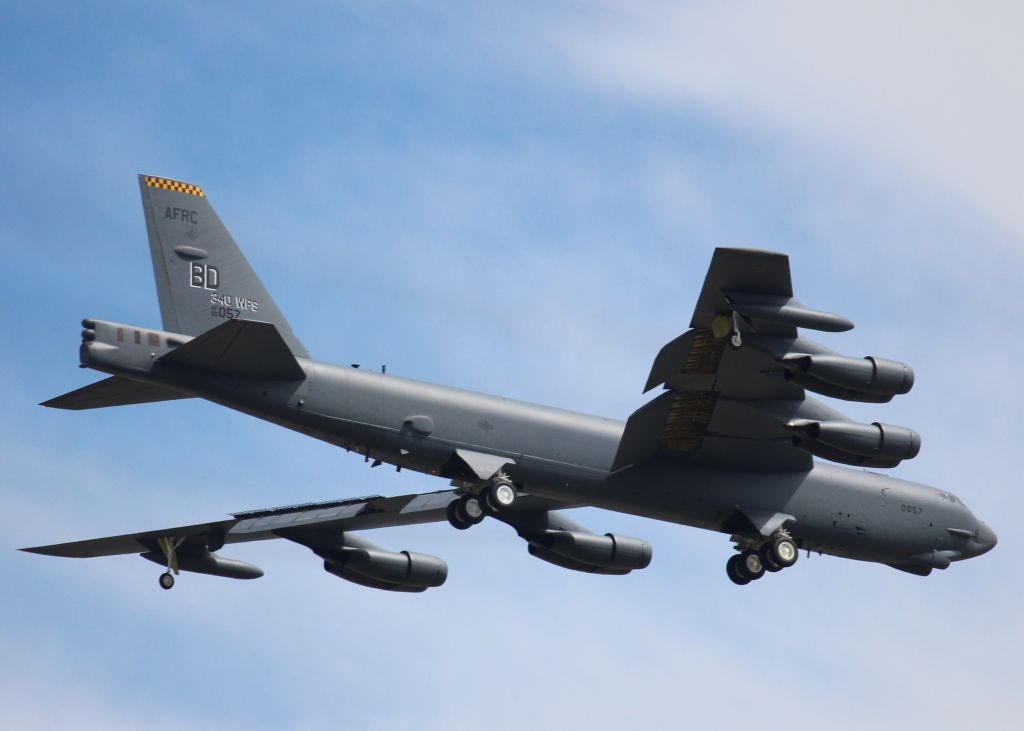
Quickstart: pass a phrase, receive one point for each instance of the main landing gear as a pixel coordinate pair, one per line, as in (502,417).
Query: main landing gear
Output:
(497,496)
(777,553)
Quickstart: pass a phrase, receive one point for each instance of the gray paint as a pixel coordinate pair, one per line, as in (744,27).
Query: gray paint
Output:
(742,474)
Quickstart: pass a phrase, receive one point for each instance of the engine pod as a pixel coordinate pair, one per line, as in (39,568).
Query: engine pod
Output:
(401,571)
(875,444)
(608,551)
(870,376)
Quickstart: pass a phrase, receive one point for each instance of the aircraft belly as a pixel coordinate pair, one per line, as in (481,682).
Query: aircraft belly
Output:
(387,414)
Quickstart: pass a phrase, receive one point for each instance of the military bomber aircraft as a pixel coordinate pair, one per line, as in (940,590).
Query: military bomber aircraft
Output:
(727,445)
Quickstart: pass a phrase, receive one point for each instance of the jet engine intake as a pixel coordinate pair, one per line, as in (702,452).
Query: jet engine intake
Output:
(378,569)
(868,445)
(610,551)
(853,379)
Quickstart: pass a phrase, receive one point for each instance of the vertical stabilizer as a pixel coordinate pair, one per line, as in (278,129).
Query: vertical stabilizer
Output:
(202,277)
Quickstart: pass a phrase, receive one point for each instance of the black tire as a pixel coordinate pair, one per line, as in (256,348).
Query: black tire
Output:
(766,558)
(485,502)
(456,517)
(784,552)
(752,567)
(166,580)
(502,495)
(471,506)
(734,570)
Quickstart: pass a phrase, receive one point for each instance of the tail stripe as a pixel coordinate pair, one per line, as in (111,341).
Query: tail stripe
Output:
(177,185)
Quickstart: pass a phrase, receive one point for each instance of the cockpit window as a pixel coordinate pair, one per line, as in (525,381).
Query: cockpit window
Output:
(951,498)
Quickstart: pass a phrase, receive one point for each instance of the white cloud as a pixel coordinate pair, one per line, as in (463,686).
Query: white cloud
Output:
(929,89)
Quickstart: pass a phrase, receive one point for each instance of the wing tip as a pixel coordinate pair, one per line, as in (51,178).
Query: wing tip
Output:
(40,550)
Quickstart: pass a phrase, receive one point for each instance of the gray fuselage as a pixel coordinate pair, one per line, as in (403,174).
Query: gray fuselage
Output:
(567,457)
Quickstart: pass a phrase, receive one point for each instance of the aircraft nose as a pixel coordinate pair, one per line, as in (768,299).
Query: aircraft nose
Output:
(986,538)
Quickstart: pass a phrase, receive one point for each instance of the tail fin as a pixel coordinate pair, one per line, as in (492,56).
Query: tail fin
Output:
(202,277)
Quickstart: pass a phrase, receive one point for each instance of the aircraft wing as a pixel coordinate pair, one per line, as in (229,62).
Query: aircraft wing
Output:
(292,521)
(734,388)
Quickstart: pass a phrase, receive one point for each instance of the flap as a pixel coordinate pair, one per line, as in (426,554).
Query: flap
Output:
(243,348)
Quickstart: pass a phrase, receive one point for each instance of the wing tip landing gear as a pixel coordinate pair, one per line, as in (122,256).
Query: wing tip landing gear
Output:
(728,325)
(169,546)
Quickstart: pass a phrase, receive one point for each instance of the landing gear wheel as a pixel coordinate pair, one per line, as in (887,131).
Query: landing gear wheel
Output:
(735,340)
(500,496)
(458,519)
(166,580)
(783,551)
(469,506)
(751,565)
(734,571)
(766,558)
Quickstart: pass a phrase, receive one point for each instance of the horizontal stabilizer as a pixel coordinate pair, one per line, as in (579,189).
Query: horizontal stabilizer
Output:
(113,391)
(243,348)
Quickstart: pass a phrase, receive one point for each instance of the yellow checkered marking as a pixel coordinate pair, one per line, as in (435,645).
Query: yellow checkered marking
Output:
(154,182)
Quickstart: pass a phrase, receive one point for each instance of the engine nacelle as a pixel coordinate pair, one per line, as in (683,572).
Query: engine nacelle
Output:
(854,379)
(545,554)
(868,445)
(378,569)
(618,553)
(209,563)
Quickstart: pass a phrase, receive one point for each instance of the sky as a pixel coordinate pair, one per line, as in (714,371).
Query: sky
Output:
(518,198)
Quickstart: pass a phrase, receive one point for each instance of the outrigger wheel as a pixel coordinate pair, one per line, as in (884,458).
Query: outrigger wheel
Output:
(169,546)
(728,325)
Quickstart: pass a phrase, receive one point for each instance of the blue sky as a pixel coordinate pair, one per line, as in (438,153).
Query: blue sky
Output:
(520,199)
